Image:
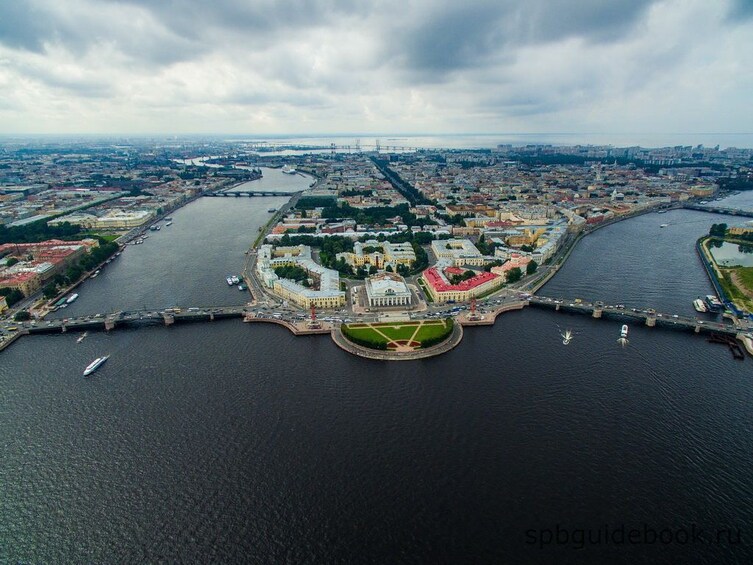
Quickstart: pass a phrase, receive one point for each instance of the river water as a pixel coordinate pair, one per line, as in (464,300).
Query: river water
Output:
(231,442)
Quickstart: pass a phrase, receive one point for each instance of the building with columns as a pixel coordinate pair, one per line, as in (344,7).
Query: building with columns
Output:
(387,289)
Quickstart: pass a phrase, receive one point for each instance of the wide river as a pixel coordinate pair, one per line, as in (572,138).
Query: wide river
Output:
(227,442)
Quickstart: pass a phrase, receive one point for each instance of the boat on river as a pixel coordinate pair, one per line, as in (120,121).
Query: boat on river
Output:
(567,337)
(94,365)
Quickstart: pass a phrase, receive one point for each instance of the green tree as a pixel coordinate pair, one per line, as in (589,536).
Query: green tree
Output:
(12,295)
(718,230)
(531,267)
(22,316)
(514,275)
(50,290)
(12,261)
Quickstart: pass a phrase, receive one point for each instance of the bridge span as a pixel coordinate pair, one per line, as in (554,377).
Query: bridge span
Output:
(249,193)
(133,318)
(719,210)
(647,316)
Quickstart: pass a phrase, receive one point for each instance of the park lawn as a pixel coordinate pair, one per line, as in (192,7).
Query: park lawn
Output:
(433,329)
(745,275)
(367,334)
(397,331)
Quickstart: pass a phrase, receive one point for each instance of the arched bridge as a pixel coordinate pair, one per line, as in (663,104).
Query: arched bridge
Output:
(250,193)
(648,316)
(719,210)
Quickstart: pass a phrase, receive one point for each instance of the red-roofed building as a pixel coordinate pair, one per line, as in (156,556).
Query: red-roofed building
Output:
(441,290)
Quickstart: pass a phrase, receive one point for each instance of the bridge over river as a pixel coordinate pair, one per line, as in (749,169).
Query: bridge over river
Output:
(719,210)
(647,316)
(249,193)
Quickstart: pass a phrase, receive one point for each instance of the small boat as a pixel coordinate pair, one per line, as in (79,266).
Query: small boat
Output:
(242,287)
(168,224)
(699,305)
(94,365)
(82,337)
(624,331)
(567,337)
(663,225)
(71,298)
(229,280)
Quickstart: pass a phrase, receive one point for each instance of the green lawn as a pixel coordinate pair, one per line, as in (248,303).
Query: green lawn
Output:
(746,276)
(398,331)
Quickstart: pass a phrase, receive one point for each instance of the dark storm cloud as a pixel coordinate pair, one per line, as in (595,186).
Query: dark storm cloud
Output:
(469,34)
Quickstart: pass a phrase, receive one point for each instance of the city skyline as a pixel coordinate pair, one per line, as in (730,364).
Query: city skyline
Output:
(335,67)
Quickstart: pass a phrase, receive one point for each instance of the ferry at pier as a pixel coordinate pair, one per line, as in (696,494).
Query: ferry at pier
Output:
(713,303)
(71,298)
(94,365)
(288,170)
(699,305)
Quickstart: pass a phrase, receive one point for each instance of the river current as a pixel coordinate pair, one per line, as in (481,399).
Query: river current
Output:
(231,442)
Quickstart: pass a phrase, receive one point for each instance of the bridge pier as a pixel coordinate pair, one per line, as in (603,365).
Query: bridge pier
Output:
(169,319)
(211,316)
(109,324)
(697,328)
(63,329)
(557,308)
(598,309)
(651,318)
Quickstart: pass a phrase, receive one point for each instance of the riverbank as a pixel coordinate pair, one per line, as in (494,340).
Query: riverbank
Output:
(726,280)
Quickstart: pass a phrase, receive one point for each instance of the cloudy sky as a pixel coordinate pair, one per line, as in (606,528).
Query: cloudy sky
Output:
(391,66)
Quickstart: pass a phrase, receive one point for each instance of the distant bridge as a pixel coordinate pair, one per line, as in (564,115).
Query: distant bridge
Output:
(648,316)
(132,318)
(719,210)
(251,193)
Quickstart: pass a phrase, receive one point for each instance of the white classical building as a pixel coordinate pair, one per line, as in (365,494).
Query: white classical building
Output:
(387,289)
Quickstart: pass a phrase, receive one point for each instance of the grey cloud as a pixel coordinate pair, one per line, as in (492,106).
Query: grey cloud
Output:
(467,35)
(740,10)
(23,27)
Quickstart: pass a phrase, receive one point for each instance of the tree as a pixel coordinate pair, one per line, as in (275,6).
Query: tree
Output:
(12,261)
(531,267)
(514,275)
(50,290)
(22,316)
(718,230)
(12,295)
(389,268)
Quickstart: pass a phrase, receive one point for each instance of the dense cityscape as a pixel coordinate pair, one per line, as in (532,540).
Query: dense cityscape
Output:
(389,236)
